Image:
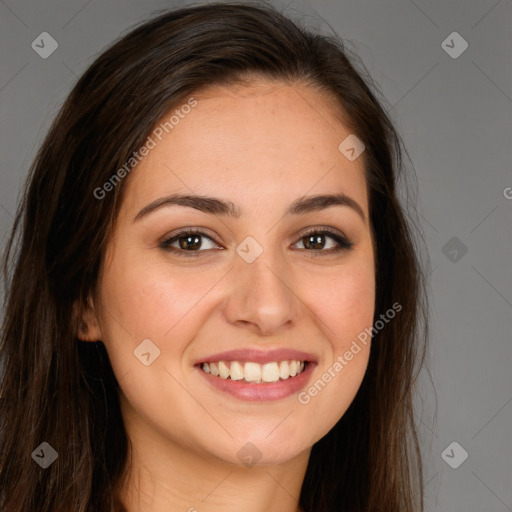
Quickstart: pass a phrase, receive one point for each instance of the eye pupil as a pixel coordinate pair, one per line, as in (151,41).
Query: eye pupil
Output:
(196,244)
(314,240)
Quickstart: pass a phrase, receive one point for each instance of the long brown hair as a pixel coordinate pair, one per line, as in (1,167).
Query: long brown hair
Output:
(59,390)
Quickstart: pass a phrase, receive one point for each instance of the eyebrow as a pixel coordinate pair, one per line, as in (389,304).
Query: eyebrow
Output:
(216,206)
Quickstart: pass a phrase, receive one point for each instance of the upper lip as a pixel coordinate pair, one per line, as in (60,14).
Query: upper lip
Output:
(259,356)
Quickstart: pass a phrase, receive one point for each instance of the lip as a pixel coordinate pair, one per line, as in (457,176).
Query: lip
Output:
(265,391)
(258,356)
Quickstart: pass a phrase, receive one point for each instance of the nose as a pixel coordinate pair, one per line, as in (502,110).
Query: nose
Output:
(262,297)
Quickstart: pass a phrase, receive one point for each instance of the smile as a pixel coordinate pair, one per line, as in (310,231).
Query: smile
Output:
(253,372)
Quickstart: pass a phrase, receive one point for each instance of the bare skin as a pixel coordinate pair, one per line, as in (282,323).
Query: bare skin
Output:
(261,147)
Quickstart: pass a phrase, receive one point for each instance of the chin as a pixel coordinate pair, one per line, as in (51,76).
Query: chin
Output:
(251,451)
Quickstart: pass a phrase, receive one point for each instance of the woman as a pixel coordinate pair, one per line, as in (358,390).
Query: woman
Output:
(216,303)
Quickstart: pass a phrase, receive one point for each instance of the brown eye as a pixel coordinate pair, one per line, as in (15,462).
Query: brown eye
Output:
(188,241)
(315,241)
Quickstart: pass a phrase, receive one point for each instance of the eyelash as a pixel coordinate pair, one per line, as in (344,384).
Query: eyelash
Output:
(344,244)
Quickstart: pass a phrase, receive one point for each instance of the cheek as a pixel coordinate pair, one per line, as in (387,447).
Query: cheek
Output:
(143,300)
(345,311)
(151,298)
(346,304)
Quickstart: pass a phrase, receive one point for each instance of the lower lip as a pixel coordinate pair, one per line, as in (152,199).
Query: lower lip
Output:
(265,391)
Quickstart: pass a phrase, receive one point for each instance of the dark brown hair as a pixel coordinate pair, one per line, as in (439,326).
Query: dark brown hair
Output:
(63,391)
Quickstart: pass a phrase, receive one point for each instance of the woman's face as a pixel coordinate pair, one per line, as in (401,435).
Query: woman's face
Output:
(265,285)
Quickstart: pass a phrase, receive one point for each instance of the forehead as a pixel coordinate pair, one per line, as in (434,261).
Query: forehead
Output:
(269,138)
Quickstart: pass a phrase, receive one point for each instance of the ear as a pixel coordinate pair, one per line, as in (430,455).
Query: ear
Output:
(88,328)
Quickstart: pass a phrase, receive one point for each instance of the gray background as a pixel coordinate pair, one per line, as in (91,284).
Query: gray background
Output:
(455,117)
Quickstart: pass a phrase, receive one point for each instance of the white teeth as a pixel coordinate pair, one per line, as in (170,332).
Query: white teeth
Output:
(223,370)
(255,372)
(214,369)
(236,371)
(270,372)
(284,370)
(252,372)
